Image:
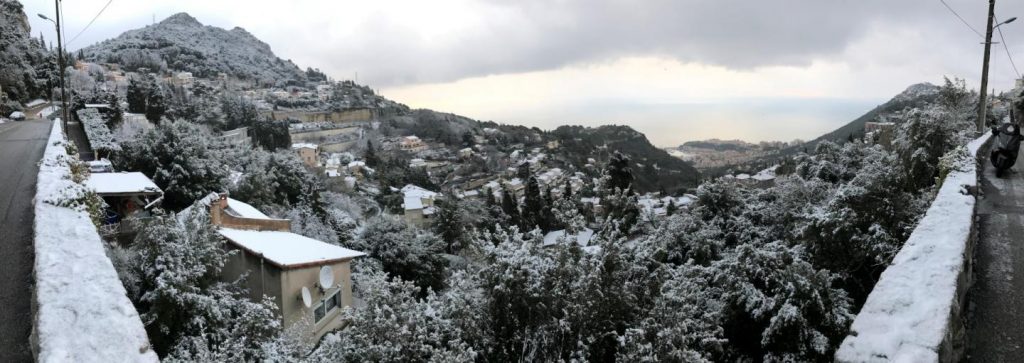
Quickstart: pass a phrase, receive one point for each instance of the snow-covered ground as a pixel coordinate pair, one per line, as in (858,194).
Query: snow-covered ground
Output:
(82,313)
(908,315)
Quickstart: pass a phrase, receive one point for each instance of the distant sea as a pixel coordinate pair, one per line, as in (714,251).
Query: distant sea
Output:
(670,124)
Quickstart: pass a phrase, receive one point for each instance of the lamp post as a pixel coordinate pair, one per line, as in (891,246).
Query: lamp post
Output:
(60,65)
(982,102)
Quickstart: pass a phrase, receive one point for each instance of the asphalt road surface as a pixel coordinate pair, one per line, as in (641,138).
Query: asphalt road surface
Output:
(21,148)
(995,330)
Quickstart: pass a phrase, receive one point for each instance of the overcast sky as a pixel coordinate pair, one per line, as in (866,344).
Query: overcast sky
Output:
(675,69)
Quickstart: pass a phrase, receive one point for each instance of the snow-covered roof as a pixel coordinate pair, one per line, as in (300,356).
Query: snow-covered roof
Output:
(415,191)
(582,238)
(412,138)
(287,249)
(412,203)
(121,183)
(303,145)
(354,164)
(766,174)
(242,209)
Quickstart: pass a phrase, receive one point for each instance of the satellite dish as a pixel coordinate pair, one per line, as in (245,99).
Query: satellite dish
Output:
(307,299)
(326,277)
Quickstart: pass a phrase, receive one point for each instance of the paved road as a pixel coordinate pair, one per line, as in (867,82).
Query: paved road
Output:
(995,330)
(21,147)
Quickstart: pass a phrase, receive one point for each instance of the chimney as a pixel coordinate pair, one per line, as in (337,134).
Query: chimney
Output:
(217,209)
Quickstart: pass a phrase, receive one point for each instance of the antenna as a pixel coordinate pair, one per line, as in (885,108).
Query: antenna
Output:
(326,277)
(306,298)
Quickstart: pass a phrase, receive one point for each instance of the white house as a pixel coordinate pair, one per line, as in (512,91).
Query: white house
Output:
(418,204)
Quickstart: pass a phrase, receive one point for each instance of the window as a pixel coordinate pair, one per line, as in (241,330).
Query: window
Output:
(333,302)
(330,303)
(319,313)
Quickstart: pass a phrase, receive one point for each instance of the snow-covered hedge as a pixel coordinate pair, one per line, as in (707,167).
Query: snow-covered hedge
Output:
(82,313)
(100,137)
(914,313)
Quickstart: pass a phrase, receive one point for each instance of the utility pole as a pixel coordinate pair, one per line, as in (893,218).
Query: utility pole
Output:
(982,102)
(61,64)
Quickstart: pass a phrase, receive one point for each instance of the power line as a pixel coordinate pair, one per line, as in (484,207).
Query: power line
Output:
(961,19)
(1007,48)
(91,21)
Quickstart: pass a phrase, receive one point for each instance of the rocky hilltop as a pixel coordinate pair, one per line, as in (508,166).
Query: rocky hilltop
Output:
(182,43)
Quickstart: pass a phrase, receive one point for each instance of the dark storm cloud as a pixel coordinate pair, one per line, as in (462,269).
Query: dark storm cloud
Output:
(741,34)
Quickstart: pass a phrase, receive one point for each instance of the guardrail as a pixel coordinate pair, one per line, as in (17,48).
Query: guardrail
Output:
(916,311)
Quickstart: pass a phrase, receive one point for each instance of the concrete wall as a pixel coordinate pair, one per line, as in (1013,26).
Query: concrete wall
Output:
(320,135)
(292,308)
(81,310)
(338,147)
(285,286)
(918,309)
(308,116)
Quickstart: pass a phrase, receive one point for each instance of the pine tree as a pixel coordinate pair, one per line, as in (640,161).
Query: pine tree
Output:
(533,207)
(370,157)
(620,172)
(155,105)
(671,208)
(449,224)
(510,206)
(116,113)
(137,94)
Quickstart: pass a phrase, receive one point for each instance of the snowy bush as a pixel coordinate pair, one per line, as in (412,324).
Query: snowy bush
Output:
(189,313)
(404,252)
(100,137)
(397,326)
(178,157)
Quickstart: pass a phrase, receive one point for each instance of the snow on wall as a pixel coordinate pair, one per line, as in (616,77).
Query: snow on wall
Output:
(82,312)
(914,312)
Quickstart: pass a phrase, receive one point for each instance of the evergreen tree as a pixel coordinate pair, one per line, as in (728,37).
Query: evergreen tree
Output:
(155,105)
(370,157)
(137,94)
(449,224)
(116,113)
(620,172)
(510,206)
(533,207)
(404,252)
(671,208)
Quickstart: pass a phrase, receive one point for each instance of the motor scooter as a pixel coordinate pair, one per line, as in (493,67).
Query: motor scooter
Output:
(1005,146)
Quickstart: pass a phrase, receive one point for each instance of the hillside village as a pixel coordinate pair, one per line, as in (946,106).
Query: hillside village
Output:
(253,211)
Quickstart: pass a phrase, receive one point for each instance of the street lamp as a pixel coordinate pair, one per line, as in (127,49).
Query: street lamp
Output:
(1010,20)
(60,64)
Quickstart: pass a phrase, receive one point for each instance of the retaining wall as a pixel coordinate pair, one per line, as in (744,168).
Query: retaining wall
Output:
(917,310)
(82,312)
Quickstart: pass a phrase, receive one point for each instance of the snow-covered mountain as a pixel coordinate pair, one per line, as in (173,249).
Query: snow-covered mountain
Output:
(181,43)
(917,91)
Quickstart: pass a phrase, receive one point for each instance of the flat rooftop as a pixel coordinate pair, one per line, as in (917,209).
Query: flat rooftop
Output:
(286,249)
(127,183)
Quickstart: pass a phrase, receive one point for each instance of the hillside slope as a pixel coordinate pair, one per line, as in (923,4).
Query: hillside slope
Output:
(653,168)
(181,43)
(20,55)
